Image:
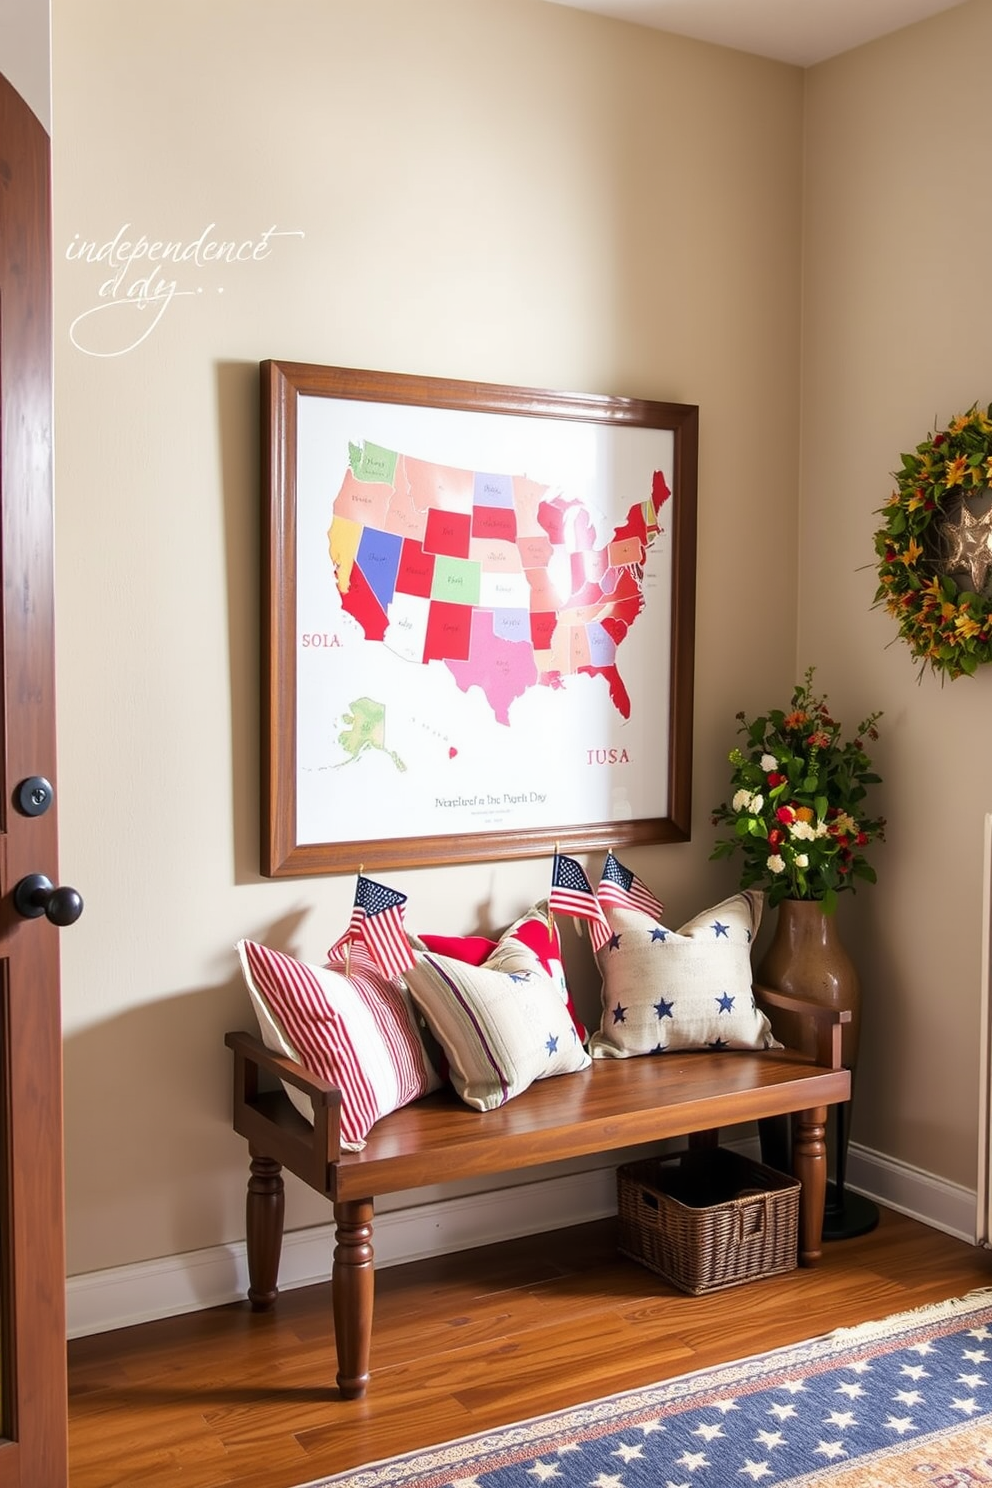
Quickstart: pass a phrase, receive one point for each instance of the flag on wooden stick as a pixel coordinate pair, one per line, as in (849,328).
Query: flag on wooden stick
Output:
(572,894)
(377,921)
(619,886)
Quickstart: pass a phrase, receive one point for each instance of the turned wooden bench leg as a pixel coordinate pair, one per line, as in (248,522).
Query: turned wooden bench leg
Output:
(264,1209)
(809,1164)
(352,1294)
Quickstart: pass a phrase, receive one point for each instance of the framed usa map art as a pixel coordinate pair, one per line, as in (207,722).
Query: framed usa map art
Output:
(478,620)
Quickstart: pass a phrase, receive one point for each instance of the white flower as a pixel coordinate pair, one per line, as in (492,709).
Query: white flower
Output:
(775,864)
(769,763)
(801,860)
(821,829)
(756,804)
(803,830)
(741,801)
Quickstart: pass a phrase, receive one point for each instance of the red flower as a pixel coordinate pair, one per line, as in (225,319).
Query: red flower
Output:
(785,815)
(775,779)
(819,740)
(775,837)
(938,440)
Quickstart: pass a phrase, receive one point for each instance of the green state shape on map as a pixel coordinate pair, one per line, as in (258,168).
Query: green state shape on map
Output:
(370,462)
(366,729)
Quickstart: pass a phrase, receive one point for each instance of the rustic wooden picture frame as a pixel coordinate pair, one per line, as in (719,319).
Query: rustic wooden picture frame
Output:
(287,847)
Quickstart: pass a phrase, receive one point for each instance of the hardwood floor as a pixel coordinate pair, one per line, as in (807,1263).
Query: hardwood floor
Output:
(462,1343)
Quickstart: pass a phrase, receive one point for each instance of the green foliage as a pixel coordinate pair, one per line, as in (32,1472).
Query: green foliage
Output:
(797,814)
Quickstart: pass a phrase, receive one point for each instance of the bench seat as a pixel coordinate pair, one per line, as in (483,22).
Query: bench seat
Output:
(614,1104)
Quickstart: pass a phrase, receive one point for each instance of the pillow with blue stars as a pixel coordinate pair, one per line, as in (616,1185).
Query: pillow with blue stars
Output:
(500,1027)
(680,989)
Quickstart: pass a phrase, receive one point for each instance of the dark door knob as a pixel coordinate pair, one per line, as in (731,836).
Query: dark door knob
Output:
(36,895)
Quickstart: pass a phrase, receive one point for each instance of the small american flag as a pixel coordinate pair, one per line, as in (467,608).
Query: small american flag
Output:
(377,921)
(572,894)
(619,886)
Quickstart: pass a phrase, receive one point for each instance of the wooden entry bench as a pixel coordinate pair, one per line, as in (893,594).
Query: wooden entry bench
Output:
(614,1104)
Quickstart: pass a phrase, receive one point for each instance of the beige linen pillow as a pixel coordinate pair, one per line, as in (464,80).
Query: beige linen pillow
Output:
(680,989)
(500,1030)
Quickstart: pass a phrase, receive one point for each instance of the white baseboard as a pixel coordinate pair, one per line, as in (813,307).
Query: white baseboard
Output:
(124,1295)
(139,1293)
(935,1201)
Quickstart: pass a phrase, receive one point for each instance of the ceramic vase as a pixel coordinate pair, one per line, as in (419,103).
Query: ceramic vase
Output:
(807,959)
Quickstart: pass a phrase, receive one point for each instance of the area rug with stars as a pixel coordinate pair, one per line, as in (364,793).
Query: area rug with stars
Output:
(905,1401)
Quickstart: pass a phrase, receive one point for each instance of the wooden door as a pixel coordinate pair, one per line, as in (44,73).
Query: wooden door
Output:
(32,1263)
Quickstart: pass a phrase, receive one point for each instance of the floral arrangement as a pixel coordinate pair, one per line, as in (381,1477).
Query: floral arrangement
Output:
(947,627)
(797,808)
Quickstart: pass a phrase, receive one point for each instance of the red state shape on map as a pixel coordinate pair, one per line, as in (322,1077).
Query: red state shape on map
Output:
(415,574)
(659,491)
(622,614)
(553,517)
(504,670)
(449,632)
(448,533)
(635,526)
(619,695)
(542,628)
(360,602)
(494,522)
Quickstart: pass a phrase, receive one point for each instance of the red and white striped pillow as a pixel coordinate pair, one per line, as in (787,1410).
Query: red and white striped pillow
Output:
(360,1031)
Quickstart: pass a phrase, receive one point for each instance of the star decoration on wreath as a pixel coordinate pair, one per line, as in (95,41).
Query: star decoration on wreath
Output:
(970,539)
(947,626)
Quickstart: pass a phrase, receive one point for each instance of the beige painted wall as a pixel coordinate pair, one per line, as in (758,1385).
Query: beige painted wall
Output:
(898,334)
(494,189)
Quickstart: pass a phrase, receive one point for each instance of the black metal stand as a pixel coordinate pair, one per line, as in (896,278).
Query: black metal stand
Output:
(846,1214)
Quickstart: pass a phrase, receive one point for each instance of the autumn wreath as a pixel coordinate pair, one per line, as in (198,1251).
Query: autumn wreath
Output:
(935,547)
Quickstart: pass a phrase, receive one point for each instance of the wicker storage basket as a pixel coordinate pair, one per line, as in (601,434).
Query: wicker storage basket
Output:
(708,1218)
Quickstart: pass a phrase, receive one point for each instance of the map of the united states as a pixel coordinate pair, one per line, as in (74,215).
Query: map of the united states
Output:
(498,577)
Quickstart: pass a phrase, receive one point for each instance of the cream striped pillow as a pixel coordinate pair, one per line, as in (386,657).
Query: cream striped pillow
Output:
(500,1030)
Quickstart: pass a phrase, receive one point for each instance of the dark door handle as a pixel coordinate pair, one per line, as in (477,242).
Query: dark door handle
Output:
(36,895)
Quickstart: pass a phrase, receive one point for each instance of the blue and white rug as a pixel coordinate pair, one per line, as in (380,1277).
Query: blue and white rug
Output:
(902,1403)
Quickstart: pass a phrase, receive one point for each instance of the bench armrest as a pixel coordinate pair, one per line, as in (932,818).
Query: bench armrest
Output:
(321,1092)
(804,1025)
(305,1150)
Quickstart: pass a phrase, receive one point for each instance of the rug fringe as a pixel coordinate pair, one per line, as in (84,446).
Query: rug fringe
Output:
(972,1301)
